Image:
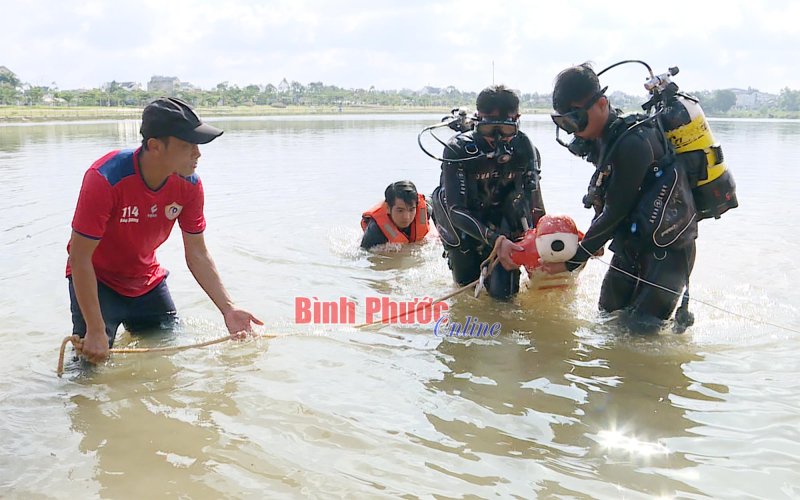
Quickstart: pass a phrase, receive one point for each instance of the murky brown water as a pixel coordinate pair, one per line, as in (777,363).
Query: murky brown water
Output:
(560,404)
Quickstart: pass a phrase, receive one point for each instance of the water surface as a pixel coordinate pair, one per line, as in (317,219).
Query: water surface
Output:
(561,403)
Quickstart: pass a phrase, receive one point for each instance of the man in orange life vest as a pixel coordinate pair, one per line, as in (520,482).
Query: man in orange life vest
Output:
(401,218)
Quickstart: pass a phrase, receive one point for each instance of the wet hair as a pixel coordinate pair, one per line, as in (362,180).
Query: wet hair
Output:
(574,84)
(498,98)
(405,190)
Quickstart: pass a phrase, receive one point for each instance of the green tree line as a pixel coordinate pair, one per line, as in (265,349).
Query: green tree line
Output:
(16,93)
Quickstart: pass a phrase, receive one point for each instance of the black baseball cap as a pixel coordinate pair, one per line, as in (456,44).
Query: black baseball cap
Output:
(170,116)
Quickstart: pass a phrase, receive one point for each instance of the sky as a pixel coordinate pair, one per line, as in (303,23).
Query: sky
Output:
(401,44)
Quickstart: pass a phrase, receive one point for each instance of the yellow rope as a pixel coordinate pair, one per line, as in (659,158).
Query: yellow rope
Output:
(143,350)
(489,263)
(421,305)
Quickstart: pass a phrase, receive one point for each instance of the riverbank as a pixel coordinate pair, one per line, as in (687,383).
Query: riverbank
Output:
(22,114)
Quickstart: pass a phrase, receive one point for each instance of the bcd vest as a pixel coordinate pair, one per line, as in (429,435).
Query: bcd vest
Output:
(665,212)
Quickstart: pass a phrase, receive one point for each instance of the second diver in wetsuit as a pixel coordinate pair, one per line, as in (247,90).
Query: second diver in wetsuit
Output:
(642,200)
(488,190)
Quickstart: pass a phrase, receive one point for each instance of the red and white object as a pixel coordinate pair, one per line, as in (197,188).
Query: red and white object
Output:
(555,239)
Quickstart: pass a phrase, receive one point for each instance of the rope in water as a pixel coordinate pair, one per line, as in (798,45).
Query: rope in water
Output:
(487,264)
(75,340)
(709,304)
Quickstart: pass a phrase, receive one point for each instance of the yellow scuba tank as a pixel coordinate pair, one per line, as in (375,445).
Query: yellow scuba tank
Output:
(683,123)
(686,127)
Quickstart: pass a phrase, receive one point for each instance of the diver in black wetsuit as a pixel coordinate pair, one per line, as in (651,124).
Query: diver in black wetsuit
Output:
(489,190)
(636,182)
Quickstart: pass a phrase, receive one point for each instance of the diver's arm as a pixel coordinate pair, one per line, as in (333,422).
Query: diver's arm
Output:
(629,166)
(537,206)
(533,186)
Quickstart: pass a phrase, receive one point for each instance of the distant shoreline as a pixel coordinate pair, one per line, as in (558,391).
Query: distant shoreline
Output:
(22,114)
(28,114)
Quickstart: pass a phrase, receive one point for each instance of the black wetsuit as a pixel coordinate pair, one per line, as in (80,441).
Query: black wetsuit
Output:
(373,235)
(617,203)
(479,200)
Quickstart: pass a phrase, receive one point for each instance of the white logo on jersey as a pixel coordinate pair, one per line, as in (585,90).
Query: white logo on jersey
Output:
(153,211)
(172,211)
(130,214)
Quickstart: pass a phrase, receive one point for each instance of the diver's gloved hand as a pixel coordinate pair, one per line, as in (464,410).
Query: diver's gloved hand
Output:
(504,249)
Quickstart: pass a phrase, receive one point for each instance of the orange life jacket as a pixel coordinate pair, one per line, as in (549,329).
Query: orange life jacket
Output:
(380,213)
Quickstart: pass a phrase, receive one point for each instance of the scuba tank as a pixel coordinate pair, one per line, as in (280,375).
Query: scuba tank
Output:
(685,125)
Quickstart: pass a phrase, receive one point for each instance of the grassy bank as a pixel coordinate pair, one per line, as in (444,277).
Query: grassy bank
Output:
(16,114)
(62,113)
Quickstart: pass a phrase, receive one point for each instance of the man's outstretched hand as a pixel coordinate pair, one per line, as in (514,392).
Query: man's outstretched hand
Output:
(239,323)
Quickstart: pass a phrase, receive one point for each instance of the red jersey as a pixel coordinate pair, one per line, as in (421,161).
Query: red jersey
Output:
(131,220)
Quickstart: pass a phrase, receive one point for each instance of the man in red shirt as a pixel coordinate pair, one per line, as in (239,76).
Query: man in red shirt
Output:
(128,204)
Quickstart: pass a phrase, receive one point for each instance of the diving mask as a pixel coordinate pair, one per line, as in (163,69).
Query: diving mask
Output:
(494,128)
(578,119)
